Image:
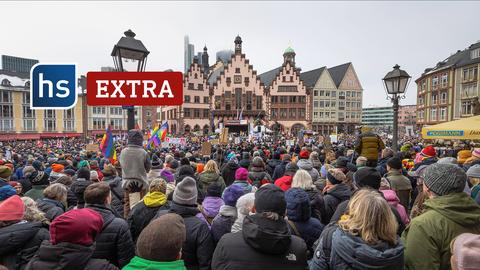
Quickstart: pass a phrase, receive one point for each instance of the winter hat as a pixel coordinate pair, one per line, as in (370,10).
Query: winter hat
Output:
(476,152)
(174,164)
(200,167)
(286,157)
(83,164)
(448,160)
(444,179)
(135,137)
(258,162)
(69,172)
(463,155)
(12,209)
(367,177)
(109,170)
(58,168)
(93,176)
(28,171)
(406,147)
(214,190)
(341,162)
(162,239)
(158,185)
(84,172)
(5,172)
(465,250)
(241,174)
(394,163)
(167,176)
(186,192)
(37,164)
(298,204)
(291,168)
(231,195)
(474,171)
(304,154)
(270,198)
(428,151)
(6,192)
(336,176)
(231,155)
(77,226)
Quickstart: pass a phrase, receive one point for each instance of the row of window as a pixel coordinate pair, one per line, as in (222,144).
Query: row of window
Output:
(103,111)
(196,113)
(101,123)
(191,86)
(196,99)
(289,113)
(333,93)
(288,99)
(435,114)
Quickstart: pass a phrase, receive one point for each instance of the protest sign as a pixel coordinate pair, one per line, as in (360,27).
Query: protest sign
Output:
(92,147)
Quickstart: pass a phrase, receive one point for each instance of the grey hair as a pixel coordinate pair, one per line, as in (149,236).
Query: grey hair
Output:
(271,215)
(302,179)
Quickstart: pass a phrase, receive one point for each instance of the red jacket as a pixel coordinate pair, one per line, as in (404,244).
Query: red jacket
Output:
(284,182)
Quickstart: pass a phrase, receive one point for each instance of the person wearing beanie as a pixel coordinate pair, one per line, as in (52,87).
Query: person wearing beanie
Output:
(115,182)
(39,181)
(135,163)
(228,170)
(463,155)
(473,174)
(159,245)
(211,204)
(143,212)
(299,217)
(79,185)
(465,249)
(448,213)
(198,248)
(94,176)
(200,168)
(5,173)
(473,159)
(285,182)
(317,164)
(57,171)
(71,245)
(257,173)
(273,163)
(168,176)
(54,201)
(28,171)
(399,183)
(241,179)
(244,208)
(335,192)
(245,161)
(20,239)
(7,192)
(369,145)
(114,243)
(265,238)
(227,215)
(305,164)
(280,168)
(156,169)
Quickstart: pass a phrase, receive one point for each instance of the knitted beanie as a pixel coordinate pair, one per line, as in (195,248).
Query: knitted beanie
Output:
(476,152)
(474,171)
(444,179)
(6,192)
(186,192)
(232,194)
(241,174)
(12,209)
(465,250)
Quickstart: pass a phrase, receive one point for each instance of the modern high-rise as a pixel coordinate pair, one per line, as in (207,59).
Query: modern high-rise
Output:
(378,117)
(17,64)
(224,55)
(188,54)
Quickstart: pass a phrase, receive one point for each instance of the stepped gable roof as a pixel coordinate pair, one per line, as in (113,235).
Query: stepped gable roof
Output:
(338,72)
(310,78)
(268,77)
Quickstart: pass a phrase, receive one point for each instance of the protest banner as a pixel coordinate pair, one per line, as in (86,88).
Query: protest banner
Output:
(206,149)
(92,147)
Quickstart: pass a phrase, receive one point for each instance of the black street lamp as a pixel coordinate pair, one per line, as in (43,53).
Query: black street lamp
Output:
(396,82)
(129,50)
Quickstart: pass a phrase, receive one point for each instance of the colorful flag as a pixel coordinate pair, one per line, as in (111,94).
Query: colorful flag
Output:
(107,147)
(158,135)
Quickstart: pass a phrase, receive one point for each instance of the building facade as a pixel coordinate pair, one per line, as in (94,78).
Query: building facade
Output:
(17,64)
(407,120)
(19,122)
(450,89)
(379,118)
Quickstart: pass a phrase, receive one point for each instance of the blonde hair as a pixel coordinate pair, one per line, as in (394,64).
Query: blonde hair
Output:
(211,166)
(370,217)
(32,213)
(56,192)
(302,179)
(474,180)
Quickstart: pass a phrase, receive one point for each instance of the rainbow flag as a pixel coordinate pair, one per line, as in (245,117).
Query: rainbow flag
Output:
(107,147)
(158,135)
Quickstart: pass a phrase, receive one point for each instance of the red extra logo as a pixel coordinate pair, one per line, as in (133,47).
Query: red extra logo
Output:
(134,88)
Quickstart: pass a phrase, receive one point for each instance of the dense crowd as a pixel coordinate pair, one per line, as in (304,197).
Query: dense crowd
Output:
(260,204)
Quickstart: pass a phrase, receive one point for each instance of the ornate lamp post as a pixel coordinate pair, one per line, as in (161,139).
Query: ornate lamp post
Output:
(396,82)
(126,52)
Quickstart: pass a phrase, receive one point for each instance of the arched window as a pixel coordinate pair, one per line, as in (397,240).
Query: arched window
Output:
(205,129)
(196,128)
(187,129)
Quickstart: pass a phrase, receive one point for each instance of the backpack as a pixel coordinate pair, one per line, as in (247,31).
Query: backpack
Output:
(326,240)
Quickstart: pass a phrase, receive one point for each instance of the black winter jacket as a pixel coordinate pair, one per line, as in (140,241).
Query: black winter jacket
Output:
(67,256)
(51,208)
(271,165)
(223,222)
(279,170)
(20,242)
(262,244)
(140,216)
(197,250)
(228,172)
(332,199)
(114,243)
(115,184)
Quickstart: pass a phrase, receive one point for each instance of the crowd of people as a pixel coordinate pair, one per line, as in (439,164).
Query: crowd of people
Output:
(254,205)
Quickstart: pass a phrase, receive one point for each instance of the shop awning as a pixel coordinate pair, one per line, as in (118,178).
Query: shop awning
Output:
(463,129)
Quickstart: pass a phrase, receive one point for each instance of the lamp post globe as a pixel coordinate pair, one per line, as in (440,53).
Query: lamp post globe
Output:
(129,54)
(396,82)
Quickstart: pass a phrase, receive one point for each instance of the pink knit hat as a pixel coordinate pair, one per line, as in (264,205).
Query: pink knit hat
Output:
(12,209)
(476,152)
(465,250)
(241,174)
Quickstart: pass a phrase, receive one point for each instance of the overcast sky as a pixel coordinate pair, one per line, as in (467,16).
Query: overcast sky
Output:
(374,36)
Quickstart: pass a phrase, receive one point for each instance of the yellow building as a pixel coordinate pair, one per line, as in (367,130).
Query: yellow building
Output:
(19,122)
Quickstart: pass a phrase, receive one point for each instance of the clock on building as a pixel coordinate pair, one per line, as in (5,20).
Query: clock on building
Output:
(237,79)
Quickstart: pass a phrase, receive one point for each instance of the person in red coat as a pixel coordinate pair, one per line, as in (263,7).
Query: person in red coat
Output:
(285,182)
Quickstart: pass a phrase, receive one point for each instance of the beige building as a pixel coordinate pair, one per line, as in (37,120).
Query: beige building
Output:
(19,122)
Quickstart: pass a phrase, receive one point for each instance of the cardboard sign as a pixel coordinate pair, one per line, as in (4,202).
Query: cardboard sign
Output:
(237,140)
(92,148)
(194,139)
(224,136)
(206,149)
(214,141)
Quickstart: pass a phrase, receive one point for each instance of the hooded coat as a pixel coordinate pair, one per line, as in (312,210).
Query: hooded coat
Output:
(262,244)
(144,211)
(223,222)
(369,145)
(209,209)
(20,242)
(272,164)
(114,242)
(67,256)
(208,178)
(332,198)
(228,172)
(428,236)
(51,208)
(307,165)
(258,176)
(348,252)
(115,184)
